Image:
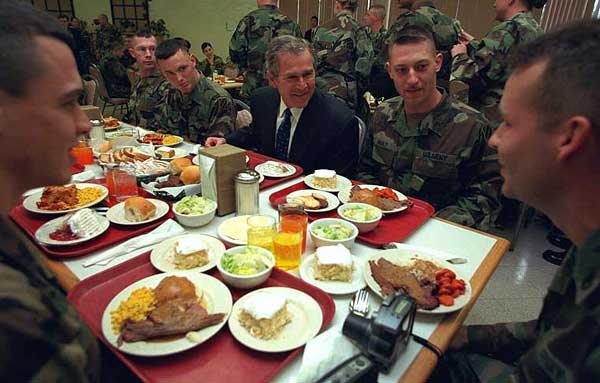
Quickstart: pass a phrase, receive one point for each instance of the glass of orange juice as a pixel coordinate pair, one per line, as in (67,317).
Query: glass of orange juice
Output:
(288,249)
(293,219)
(83,154)
(261,231)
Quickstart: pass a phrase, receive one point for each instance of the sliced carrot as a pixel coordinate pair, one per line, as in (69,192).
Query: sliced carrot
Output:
(456,293)
(444,291)
(456,284)
(446,300)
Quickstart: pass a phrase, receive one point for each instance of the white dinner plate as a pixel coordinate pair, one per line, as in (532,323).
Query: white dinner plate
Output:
(344,196)
(163,255)
(214,293)
(333,287)
(178,140)
(179,153)
(306,321)
(30,203)
(234,230)
(275,169)
(341,183)
(402,256)
(42,234)
(332,201)
(116,214)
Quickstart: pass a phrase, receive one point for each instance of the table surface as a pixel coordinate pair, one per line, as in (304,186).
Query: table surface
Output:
(483,251)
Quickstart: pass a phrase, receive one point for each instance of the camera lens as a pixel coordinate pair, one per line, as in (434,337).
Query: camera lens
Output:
(357,328)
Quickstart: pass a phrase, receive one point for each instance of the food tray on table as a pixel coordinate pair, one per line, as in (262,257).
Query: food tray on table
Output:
(257,159)
(30,222)
(220,359)
(393,227)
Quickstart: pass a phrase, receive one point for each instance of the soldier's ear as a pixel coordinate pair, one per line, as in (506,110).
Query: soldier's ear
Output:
(131,52)
(439,59)
(388,68)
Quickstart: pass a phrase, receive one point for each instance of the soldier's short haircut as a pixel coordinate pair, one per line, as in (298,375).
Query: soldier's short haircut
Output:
(535,3)
(314,18)
(144,34)
(570,84)
(285,44)
(205,45)
(169,47)
(20,58)
(413,34)
(379,10)
(348,4)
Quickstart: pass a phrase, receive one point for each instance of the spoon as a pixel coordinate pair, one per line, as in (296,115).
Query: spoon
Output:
(454,261)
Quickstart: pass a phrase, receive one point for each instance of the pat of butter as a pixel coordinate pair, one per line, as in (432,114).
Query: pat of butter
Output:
(334,255)
(187,245)
(263,305)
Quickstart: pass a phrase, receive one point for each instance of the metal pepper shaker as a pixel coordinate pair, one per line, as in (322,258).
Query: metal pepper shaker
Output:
(246,192)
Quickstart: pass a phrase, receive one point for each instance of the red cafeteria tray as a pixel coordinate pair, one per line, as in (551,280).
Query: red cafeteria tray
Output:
(257,159)
(392,227)
(29,222)
(220,359)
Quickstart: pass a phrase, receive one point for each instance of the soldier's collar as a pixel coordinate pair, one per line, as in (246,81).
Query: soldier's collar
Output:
(437,114)
(196,95)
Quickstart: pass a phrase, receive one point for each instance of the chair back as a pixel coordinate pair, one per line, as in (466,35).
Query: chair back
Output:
(241,105)
(133,77)
(96,74)
(90,88)
(362,134)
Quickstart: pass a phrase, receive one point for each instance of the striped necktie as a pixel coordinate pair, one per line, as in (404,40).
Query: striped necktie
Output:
(283,136)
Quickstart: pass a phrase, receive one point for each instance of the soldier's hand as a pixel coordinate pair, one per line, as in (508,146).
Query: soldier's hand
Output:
(458,49)
(465,37)
(214,141)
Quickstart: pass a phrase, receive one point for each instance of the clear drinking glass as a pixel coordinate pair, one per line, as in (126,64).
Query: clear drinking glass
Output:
(261,230)
(121,184)
(293,219)
(288,250)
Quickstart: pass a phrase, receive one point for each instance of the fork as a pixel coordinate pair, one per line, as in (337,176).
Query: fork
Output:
(359,305)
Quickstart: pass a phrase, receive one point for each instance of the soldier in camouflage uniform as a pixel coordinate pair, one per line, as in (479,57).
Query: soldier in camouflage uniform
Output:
(150,92)
(482,64)
(428,145)
(344,54)
(106,35)
(543,125)
(197,107)
(205,66)
(42,338)
(114,72)
(250,41)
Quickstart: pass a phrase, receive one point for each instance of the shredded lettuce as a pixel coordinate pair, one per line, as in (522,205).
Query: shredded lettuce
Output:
(194,205)
(248,262)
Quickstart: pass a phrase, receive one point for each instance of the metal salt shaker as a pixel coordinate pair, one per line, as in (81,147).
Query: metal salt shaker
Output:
(246,192)
(97,133)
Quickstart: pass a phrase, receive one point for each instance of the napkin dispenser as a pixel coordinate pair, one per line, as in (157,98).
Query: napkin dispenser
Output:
(218,166)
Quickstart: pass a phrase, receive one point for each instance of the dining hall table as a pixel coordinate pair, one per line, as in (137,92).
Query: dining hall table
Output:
(482,250)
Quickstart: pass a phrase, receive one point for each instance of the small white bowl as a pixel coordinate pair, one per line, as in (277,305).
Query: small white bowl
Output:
(195,220)
(246,281)
(363,226)
(321,241)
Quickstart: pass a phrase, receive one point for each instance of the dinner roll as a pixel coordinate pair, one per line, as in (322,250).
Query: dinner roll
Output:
(178,164)
(138,209)
(190,175)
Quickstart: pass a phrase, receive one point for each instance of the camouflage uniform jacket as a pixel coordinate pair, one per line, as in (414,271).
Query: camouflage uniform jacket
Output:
(484,67)
(105,36)
(344,55)
(42,338)
(443,160)
(115,77)
(563,344)
(146,100)
(249,43)
(207,69)
(208,111)
(378,41)
(444,28)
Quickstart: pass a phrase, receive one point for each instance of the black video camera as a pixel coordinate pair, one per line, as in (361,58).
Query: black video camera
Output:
(386,334)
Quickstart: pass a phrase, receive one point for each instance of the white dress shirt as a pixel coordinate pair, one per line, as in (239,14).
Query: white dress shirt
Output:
(296,112)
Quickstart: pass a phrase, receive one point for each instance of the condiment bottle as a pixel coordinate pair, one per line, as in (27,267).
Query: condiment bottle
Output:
(246,192)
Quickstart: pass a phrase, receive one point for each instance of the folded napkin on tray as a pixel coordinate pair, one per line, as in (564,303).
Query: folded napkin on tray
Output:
(324,353)
(167,230)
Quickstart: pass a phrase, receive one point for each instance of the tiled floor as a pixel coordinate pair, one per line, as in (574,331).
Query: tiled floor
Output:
(516,290)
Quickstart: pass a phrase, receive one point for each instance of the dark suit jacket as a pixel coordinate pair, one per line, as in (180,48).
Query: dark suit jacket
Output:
(308,35)
(326,136)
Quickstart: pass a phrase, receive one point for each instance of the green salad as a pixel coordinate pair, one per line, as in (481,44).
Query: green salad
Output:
(361,213)
(332,231)
(194,205)
(247,262)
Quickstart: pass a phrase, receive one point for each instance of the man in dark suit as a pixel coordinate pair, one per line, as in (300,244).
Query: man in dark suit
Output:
(308,35)
(295,122)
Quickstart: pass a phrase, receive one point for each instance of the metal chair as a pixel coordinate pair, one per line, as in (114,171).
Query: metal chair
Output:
(362,134)
(90,88)
(103,92)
